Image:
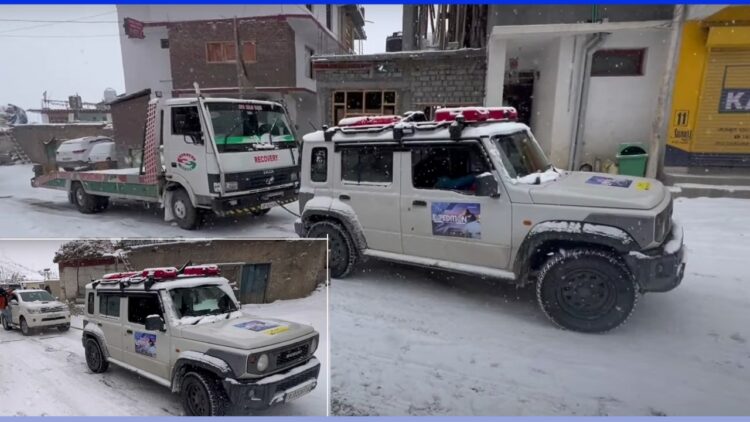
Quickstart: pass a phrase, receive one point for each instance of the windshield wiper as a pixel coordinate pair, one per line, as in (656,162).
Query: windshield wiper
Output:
(237,124)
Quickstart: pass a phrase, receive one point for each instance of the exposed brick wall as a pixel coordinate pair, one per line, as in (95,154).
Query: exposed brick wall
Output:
(455,77)
(275,58)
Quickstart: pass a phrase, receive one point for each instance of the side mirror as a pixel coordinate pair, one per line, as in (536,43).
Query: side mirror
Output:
(487,185)
(154,323)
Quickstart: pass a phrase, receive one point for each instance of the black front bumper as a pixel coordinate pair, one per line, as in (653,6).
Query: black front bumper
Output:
(244,204)
(660,269)
(272,390)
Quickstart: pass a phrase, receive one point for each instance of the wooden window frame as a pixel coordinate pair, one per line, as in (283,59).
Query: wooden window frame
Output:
(383,103)
(224,45)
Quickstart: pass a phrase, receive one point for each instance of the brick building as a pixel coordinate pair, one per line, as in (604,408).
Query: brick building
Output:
(393,83)
(184,44)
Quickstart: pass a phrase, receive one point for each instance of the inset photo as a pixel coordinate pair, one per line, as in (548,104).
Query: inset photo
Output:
(135,327)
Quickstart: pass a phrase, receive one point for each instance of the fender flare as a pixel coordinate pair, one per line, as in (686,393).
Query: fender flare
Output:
(178,181)
(183,363)
(569,232)
(98,335)
(342,213)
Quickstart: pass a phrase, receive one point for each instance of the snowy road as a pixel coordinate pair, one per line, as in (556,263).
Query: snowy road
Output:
(46,374)
(411,341)
(34,212)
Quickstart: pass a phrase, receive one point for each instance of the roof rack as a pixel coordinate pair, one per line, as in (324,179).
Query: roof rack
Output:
(456,119)
(149,276)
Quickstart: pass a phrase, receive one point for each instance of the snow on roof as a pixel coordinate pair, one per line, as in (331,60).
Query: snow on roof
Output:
(175,283)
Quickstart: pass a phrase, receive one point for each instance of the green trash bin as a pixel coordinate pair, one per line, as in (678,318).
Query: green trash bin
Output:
(632,159)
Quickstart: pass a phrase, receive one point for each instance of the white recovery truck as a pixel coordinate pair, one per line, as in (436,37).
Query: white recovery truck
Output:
(220,155)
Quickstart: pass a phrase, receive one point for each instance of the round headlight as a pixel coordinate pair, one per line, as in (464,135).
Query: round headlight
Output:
(262,364)
(314,345)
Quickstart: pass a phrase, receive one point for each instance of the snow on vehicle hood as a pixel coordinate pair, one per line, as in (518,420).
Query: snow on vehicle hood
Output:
(245,332)
(599,190)
(49,304)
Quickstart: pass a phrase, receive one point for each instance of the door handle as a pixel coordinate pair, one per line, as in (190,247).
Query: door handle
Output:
(418,203)
(344,197)
(129,331)
(173,164)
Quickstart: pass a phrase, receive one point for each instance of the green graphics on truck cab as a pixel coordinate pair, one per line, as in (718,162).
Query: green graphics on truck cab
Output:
(473,192)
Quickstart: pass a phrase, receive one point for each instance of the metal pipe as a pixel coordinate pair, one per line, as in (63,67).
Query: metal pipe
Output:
(588,53)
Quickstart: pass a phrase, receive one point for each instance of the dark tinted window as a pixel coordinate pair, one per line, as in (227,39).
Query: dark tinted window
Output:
(447,167)
(618,62)
(141,306)
(90,304)
(109,305)
(367,165)
(185,120)
(319,165)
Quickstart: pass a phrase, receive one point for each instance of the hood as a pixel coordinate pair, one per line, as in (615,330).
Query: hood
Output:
(599,190)
(245,332)
(46,304)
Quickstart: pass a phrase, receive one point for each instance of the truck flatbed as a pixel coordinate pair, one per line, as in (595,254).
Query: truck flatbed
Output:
(126,182)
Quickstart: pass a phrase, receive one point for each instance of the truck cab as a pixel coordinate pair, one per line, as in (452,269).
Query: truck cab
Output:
(201,155)
(473,192)
(184,329)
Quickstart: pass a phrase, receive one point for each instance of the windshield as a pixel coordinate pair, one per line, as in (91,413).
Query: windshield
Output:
(520,154)
(201,301)
(245,127)
(40,296)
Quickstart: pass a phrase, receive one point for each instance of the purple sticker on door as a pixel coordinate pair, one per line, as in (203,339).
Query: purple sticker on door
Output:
(609,181)
(145,344)
(257,325)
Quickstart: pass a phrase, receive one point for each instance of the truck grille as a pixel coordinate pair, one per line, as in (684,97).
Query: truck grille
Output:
(295,353)
(52,309)
(258,179)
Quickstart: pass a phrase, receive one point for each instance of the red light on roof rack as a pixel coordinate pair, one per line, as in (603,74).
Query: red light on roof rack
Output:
(476,114)
(119,276)
(160,273)
(369,120)
(201,270)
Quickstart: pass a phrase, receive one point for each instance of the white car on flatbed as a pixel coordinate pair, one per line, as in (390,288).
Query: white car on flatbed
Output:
(34,309)
(183,329)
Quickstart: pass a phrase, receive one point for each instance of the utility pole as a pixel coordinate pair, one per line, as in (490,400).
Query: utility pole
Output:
(242,78)
(657,143)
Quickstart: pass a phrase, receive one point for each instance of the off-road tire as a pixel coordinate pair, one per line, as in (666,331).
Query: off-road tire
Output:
(95,359)
(63,328)
(342,254)
(6,323)
(586,290)
(260,213)
(187,216)
(202,395)
(25,329)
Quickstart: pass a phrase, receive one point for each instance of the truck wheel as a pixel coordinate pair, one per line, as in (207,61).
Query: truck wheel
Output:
(260,213)
(187,216)
(202,395)
(83,201)
(95,359)
(6,323)
(342,256)
(586,290)
(25,330)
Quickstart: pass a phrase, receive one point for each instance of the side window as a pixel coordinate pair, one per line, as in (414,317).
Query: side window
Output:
(447,167)
(367,165)
(319,164)
(185,121)
(90,304)
(141,306)
(109,305)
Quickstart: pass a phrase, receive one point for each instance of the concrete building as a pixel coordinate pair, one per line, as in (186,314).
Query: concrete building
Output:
(184,44)
(394,83)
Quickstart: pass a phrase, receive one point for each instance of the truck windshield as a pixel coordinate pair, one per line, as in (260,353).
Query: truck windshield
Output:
(520,154)
(40,296)
(242,127)
(201,301)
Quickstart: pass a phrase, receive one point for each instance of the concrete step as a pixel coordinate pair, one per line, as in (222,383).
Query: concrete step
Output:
(696,190)
(720,176)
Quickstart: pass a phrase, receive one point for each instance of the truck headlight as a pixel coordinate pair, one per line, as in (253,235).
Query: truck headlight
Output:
(231,186)
(34,311)
(314,345)
(262,364)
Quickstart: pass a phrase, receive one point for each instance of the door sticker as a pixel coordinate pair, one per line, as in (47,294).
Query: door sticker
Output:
(643,185)
(456,220)
(258,326)
(187,161)
(609,181)
(145,344)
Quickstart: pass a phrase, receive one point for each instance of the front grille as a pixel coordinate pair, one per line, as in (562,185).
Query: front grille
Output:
(255,179)
(52,319)
(292,381)
(292,354)
(54,309)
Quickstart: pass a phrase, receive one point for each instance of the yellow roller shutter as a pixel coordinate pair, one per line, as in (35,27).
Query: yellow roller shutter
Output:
(723,125)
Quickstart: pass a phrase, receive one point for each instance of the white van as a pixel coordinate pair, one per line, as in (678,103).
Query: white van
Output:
(75,153)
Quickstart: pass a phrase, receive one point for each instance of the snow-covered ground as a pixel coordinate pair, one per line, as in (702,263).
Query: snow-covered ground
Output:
(35,212)
(46,374)
(413,341)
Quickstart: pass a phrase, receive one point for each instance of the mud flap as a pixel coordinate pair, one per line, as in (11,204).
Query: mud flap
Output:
(167,201)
